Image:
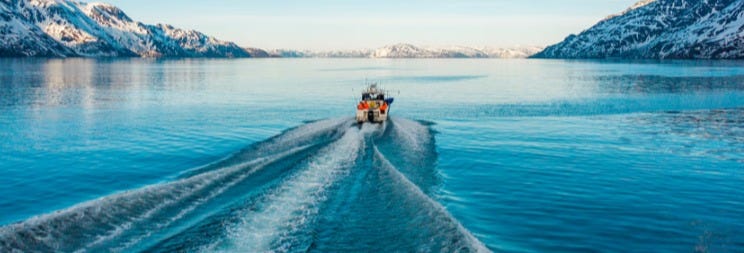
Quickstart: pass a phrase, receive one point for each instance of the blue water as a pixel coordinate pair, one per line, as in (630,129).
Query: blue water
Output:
(262,155)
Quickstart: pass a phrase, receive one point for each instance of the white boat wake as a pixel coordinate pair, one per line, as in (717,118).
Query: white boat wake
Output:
(324,186)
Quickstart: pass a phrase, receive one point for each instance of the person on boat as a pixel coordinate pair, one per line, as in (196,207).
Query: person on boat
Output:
(383,108)
(362,106)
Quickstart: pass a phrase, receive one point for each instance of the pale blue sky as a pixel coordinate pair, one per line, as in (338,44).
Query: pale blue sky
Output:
(337,24)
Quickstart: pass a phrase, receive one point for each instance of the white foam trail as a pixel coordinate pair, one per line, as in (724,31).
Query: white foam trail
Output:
(314,128)
(411,133)
(298,136)
(106,218)
(305,132)
(433,205)
(295,201)
(110,210)
(202,200)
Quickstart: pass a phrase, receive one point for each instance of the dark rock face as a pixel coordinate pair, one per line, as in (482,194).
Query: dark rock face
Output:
(662,29)
(50,28)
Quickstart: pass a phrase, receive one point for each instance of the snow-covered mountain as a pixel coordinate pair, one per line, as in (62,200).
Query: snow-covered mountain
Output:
(61,28)
(411,51)
(515,52)
(662,29)
(290,53)
(403,50)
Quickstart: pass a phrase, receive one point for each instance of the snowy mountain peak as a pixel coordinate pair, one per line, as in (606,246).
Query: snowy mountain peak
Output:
(106,12)
(401,50)
(640,4)
(61,28)
(637,5)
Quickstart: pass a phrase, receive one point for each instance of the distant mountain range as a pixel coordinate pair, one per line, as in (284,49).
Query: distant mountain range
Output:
(662,29)
(656,29)
(410,51)
(63,28)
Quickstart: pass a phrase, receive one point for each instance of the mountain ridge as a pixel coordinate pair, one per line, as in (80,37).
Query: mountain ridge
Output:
(661,29)
(64,28)
(649,29)
(406,50)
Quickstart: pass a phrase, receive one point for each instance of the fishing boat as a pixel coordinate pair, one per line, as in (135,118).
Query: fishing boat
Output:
(374,106)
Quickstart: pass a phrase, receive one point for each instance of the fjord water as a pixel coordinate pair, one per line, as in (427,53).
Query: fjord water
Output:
(258,155)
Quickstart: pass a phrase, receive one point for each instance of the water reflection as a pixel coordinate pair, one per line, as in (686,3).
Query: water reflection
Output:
(626,84)
(93,82)
(716,133)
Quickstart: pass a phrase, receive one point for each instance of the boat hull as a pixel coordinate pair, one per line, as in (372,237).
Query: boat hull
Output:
(371,116)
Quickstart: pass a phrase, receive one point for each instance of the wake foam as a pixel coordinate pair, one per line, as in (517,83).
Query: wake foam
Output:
(447,234)
(91,223)
(95,223)
(323,186)
(378,208)
(289,207)
(316,132)
(410,145)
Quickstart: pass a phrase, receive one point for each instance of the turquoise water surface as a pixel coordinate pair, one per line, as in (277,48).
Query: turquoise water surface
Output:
(256,155)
